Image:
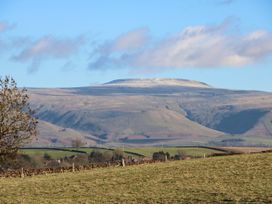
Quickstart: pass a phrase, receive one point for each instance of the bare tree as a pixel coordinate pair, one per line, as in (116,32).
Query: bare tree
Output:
(17,124)
(77,143)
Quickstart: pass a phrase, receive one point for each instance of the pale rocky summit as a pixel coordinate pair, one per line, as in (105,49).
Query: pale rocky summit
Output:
(157,82)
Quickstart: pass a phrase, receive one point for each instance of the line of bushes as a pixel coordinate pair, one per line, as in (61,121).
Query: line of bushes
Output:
(163,156)
(41,161)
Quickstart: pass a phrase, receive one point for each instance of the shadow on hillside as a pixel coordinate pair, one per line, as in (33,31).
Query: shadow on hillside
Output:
(241,122)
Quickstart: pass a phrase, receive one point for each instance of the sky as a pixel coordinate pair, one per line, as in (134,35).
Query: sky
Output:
(225,43)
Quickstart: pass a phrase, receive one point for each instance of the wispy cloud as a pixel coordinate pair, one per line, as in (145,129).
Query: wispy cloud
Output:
(35,52)
(5,26)
(194,46)
(68,66)
(48,47)
(128,43)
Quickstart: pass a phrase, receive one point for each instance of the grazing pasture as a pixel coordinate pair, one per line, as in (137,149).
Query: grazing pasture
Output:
(189,151)
(230,179)
(145,151)
(53,153)
(246,150)
(56,153)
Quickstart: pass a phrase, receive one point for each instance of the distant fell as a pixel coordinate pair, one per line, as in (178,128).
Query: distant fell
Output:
(153,111)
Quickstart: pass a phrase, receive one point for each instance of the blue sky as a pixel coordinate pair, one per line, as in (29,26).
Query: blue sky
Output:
(225,43)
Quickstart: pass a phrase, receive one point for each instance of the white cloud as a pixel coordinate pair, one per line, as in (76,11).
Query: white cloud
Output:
(48,47)
(131,40)
(194,46)
(35,52)
(128,43)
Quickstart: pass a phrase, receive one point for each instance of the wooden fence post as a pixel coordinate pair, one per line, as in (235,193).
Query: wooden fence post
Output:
(73,167)
(165,157)
(22,173)
(123,163)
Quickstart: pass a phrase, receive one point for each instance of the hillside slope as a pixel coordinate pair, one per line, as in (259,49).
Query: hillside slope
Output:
(53,135)
(154,111)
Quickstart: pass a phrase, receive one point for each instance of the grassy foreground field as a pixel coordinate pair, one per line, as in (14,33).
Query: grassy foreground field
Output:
(230,179)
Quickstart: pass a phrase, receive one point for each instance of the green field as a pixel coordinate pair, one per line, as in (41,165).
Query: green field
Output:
(248,140)
(229,179)
(53,153)
(190,151)
(58,153)
(147,151)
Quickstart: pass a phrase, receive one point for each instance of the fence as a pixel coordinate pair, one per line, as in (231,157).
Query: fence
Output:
(73,168)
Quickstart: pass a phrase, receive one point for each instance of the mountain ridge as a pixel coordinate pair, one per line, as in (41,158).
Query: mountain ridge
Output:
(150,113)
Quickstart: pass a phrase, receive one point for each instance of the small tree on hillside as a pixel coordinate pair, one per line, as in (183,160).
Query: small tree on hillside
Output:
(77,143)
(17,124)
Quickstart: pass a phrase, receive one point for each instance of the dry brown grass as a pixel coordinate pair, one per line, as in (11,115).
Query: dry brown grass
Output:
(229,179)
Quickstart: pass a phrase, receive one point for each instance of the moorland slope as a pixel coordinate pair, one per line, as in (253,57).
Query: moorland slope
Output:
(152,111)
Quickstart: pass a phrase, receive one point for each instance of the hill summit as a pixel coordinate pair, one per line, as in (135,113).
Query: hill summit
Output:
(153,111)
(157,82)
